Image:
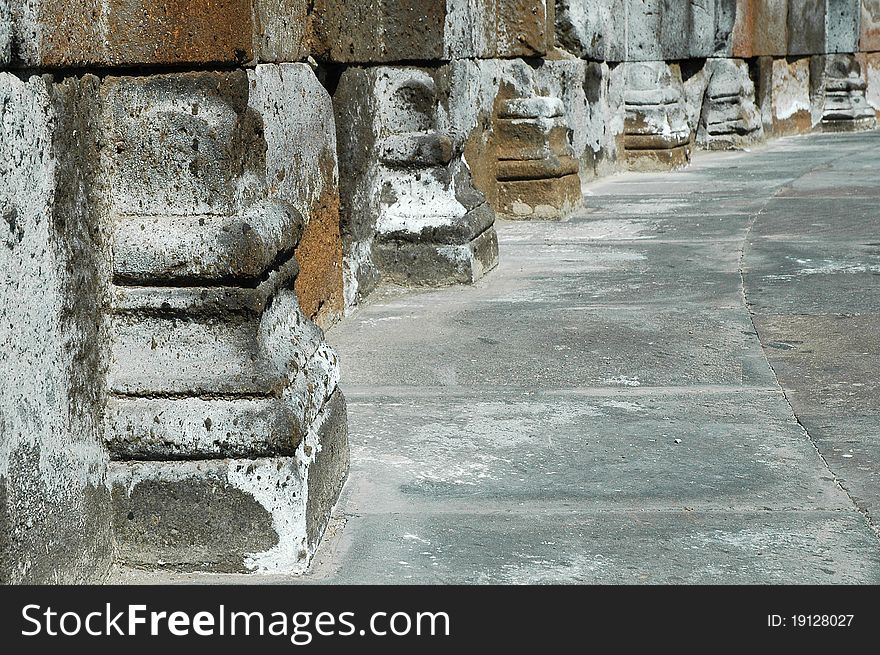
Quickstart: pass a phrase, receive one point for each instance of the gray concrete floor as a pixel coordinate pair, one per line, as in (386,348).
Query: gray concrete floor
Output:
(677,385)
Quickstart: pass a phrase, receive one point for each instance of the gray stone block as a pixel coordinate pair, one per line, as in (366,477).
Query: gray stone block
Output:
(592,29)
(430,264)
(329,470)
(842,22)
(762,28)
(729,116)
(657,135)
(202,249)
(688,29)
(203,302)
(54,286)
(184,144)
(201,428)
(277,357)
(5,34)
(192,516)
(806,27)
(725,22)
(566,82)
(421,30)
(406,174)
(644,30)
(262,515)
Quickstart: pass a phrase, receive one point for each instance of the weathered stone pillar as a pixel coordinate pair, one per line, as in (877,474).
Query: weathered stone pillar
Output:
(840,103)
(415,207)
(730,118)
(182,246)
(223,393)
(657,134)
(410,213)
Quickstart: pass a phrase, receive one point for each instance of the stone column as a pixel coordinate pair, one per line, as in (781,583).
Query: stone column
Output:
(196,253)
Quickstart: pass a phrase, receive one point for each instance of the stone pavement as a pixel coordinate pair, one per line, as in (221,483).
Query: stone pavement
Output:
(677,385)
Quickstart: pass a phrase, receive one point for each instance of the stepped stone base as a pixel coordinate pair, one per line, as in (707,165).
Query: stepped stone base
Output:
(260,515)
(433,264)
(543,199)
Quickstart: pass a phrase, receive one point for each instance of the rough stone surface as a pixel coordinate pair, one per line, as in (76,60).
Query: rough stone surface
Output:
(869,26)
(189,516)
(277,355)
(301,169)
(788,99)
(232,515)
(592,99)
(155,32)
(425,264)
(839,88)
(282,30)
(182,144)
(644,30)
(729,117)
(517,133)
(806,27)
(657,135)
(406,176)
(822,26)
(52,258)
(329,470)
(419,30)
(5,34)
(761,28)
(201,428)
(870,65)
(594,29)
(226,249)
(231,151)
(842,25)
(204,248)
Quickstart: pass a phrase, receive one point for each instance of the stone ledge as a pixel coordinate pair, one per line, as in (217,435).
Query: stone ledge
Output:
(199,249)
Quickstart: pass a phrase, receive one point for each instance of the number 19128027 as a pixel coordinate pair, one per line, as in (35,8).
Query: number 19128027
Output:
(810,620)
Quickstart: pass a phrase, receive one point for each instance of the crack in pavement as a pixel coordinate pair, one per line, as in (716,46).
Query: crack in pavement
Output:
(746,244)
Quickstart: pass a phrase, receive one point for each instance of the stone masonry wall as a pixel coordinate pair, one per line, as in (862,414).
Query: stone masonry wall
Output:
(191,191)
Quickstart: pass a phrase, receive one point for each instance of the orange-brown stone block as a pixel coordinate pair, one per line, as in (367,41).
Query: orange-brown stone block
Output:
(761,28)
(113,33)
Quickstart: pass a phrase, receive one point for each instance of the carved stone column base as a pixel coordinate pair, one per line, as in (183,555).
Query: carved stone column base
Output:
(730,119)
(667,159)
(224,422)
(246,515)
(656,132)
